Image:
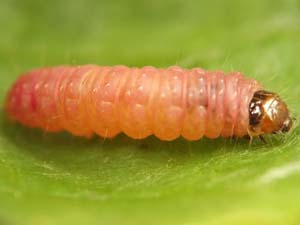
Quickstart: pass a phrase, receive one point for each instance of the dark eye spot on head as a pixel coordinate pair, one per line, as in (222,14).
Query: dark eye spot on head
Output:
(287,125)
(255,113)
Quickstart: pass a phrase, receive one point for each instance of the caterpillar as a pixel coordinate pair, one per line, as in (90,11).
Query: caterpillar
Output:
(168,103)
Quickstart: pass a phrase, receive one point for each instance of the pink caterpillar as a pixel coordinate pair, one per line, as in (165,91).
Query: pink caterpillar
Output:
(139,102)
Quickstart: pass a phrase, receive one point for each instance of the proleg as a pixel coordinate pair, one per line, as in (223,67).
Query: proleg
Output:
(167,103)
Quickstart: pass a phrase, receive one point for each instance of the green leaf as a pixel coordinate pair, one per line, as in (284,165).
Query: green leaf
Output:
(59,179)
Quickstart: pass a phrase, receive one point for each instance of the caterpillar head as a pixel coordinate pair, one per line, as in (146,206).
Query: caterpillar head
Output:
(268,114)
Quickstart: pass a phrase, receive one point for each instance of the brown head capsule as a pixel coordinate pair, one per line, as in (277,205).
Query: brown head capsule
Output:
(268,114)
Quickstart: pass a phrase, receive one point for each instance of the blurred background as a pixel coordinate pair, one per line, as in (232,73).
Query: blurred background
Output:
(59,179)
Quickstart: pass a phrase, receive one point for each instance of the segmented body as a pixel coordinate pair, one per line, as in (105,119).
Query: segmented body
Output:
(137,101)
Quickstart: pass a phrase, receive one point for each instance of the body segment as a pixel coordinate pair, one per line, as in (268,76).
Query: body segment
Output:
(140,102)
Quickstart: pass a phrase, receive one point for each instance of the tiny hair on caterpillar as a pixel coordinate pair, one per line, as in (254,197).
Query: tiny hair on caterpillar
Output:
(168,103)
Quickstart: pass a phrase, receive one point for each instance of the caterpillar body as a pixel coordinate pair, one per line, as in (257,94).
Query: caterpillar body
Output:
(140,102)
